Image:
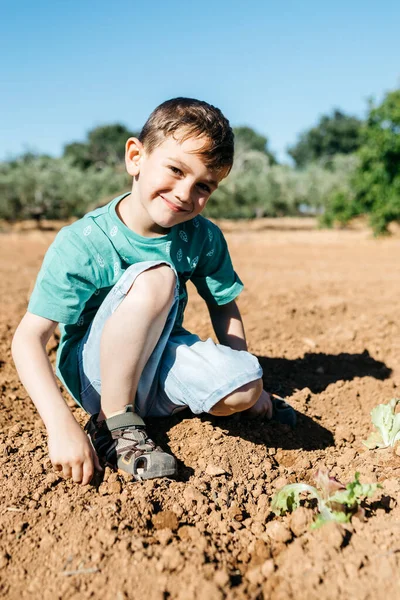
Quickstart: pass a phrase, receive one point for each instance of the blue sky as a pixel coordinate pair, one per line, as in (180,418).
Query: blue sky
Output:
(69,65)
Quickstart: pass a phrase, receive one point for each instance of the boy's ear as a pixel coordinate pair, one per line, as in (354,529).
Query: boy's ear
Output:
(134,151)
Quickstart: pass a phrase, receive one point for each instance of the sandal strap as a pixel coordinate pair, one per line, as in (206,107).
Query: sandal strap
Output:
(127,419)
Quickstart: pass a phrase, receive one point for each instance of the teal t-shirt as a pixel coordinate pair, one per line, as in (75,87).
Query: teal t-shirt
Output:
(88,257)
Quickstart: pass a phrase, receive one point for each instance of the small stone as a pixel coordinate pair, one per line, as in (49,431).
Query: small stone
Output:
(398,450)
(166,519)
(278,532)
(214,470)
(114,487)
(235,513)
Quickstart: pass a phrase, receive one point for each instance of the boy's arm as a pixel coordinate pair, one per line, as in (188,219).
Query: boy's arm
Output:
(228,325)
(69,447)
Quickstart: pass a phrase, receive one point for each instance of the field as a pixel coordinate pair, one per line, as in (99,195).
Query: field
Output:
(321,311)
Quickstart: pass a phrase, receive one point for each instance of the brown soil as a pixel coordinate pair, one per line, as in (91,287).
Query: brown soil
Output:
(321,312)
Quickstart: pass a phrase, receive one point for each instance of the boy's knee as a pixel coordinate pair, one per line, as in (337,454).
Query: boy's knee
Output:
(156,287)
(239,400)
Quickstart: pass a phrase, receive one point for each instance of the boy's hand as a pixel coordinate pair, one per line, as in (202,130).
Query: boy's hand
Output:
(262,408)
(71,452)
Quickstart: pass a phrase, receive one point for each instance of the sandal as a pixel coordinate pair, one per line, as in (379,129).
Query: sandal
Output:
(282,412)
(121,442)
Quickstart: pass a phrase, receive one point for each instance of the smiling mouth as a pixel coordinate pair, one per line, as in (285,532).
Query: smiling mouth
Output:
(174,207)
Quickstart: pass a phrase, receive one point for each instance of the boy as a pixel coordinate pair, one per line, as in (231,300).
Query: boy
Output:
(115,282)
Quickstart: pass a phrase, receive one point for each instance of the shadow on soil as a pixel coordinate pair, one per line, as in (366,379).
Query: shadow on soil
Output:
(283,376)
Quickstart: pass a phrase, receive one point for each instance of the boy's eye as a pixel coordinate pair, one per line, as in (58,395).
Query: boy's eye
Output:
(204,187)
(175,170)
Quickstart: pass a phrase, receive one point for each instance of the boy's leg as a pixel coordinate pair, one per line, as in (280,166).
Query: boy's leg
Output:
(216,379)
(244,399)
(206,377)
(127,337)
(130,336)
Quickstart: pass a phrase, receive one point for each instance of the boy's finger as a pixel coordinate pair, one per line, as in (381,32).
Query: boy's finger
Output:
(67,471)
(77,473)
(88,472)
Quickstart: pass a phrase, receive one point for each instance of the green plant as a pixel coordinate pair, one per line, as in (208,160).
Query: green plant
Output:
(387,422)
(375,184)
(335,502)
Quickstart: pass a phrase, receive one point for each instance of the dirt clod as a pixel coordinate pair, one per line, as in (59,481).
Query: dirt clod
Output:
(165,519)
(278,532)
(214,470)
(301,520)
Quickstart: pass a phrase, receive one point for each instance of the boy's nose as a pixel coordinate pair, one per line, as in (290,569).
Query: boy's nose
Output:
(183,192)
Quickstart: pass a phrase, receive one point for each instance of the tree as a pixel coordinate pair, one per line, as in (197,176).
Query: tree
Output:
(33,187)
(376,181)
(255,188)
(336,134)
(105,146)
(247,138)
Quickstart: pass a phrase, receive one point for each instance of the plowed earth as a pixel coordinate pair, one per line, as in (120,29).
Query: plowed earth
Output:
(321,311)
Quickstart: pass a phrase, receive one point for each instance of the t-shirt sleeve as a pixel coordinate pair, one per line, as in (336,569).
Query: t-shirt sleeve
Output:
(65,281)
(214,277)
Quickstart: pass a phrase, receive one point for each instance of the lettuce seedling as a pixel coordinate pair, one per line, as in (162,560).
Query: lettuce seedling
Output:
(335,502)
(387,423)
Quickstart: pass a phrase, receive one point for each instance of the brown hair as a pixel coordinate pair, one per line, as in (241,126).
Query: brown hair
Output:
(183,118)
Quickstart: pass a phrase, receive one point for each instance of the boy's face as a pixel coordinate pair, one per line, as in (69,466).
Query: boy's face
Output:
(172,183)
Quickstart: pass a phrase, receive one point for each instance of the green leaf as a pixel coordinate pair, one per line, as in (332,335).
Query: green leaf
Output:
(287,498)
(387,423)
(374,441)
(354,492)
